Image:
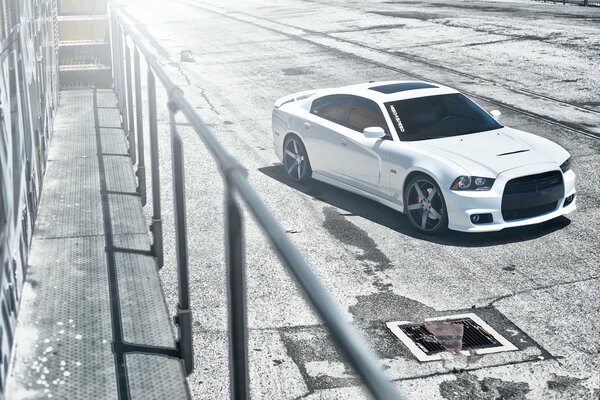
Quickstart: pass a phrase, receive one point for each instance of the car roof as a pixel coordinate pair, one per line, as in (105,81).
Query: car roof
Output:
(385,91)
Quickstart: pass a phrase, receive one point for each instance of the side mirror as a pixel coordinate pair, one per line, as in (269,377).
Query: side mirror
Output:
(495,113)
(374,132)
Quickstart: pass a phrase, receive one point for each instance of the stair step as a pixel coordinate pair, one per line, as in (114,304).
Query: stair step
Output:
(83,67)
(73,43)
(82,17)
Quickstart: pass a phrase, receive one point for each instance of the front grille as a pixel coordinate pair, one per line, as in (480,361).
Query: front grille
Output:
(474,337)
(533,183)
(529,212)
(532,195)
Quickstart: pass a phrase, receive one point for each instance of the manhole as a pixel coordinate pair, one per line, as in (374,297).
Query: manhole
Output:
(466,333)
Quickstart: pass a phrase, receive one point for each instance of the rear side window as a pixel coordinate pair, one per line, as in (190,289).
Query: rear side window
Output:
(365,113)
(333,108)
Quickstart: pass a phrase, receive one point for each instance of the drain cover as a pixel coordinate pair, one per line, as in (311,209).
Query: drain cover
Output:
(466,333)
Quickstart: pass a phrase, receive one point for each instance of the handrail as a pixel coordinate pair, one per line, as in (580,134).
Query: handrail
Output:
(346,337)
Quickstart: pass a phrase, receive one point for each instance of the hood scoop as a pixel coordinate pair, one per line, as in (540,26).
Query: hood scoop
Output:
(512,152)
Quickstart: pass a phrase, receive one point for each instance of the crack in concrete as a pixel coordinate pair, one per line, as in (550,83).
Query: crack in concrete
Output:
(205,97)
(508,296)
(202,90)
(183,73)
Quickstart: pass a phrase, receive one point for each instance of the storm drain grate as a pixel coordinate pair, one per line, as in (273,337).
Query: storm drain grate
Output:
(466,333)
(473,337)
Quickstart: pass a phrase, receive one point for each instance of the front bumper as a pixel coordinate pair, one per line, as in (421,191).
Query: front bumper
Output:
(462,204)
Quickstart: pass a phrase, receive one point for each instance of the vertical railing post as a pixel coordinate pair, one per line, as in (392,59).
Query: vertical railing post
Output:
(116,58)
(184,314)
(130,129)
(113,54)
(156,227)
(238,337)
(123,77)
(120,72)
(139,125)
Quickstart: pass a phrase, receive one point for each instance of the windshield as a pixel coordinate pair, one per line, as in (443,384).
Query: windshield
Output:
(438,116)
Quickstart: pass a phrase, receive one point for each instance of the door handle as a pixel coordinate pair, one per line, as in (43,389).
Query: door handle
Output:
(344,142)
(306,125)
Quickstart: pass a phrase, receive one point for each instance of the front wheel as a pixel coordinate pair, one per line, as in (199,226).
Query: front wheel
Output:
(295,160)
(425,206)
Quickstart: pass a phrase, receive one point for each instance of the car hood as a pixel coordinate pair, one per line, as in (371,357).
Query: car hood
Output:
(493,152)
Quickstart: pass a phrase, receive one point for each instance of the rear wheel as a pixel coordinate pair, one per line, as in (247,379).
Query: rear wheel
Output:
(295,160)
(425,206)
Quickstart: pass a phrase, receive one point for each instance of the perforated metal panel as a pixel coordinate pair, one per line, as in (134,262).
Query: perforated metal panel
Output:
(108,117)
(94,296)
(66,349)
(124,210)
(113,141)
(142,310)
(106,99)
(152,377)
(73,210)
(116,178)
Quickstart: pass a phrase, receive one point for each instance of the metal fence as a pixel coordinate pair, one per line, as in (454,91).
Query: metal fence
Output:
(128,50)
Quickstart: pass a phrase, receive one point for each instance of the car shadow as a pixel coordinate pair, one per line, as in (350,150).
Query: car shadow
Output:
(392,219)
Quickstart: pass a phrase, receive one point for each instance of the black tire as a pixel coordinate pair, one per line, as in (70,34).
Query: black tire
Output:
(295,160)
(425,206)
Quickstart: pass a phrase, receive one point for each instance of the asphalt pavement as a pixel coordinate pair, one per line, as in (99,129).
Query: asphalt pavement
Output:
(537,286)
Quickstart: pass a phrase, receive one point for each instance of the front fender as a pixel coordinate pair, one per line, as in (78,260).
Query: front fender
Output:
(406,163)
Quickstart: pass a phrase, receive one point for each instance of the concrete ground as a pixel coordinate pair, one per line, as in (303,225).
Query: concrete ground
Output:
(538,286)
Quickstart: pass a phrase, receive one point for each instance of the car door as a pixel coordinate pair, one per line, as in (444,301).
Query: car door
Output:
(364,161)
(321,133)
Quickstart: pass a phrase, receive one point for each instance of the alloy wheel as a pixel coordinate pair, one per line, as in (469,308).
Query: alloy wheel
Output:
(425,205)
(295,160)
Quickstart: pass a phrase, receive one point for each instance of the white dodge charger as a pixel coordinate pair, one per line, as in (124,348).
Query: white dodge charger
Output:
(425,150)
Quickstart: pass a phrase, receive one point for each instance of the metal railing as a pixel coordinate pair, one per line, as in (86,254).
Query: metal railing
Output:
(124,42)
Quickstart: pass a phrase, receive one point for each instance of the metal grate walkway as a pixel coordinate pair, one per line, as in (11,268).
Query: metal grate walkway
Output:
(93,323)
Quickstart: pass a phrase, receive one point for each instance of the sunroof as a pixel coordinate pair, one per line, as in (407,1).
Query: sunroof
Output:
(402,87)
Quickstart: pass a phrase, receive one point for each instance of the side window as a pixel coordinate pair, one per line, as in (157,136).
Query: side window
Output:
(334,108)
(364,114)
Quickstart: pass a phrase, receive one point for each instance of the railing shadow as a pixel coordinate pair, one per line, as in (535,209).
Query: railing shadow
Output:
(396,221)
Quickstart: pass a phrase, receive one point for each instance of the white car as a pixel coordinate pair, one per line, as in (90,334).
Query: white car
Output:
(425,150)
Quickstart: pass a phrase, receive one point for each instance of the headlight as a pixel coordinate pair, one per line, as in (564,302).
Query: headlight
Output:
(566,165)
(472,183)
